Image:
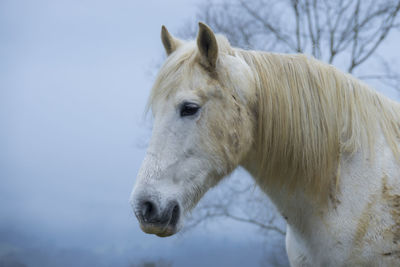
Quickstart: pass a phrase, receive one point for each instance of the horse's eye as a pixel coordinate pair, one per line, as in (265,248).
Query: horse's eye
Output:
(189,109)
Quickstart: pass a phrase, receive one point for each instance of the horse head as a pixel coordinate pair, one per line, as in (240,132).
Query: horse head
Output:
(203,128)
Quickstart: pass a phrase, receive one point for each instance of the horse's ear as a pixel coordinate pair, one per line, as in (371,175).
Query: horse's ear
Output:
(207,44)
(170,43)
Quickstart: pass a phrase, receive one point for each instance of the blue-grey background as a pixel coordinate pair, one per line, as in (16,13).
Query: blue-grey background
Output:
(74,79)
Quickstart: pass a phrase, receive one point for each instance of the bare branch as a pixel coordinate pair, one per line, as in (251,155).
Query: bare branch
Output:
(295,6)
(268,26)
(268,227)
(318,29)
(355,36)
(310,27)
(387,25)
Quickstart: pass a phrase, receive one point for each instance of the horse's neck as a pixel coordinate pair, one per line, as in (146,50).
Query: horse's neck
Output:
(361,179)
(293,204)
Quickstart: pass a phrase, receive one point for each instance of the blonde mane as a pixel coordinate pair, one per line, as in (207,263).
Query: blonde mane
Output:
(309,113)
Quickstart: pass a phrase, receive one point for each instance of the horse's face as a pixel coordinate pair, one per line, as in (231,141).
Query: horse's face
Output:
(199,136)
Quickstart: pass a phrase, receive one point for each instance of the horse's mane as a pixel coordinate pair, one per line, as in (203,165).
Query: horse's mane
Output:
(309,114)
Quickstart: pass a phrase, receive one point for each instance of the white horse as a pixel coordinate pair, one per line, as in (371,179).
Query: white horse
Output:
(320,143)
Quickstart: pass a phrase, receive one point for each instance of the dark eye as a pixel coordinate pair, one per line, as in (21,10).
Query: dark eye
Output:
(189,109)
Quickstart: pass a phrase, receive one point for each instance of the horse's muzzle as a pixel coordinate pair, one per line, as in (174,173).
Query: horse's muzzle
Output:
(153,220)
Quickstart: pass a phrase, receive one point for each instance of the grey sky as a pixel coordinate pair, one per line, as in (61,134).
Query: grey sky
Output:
(73,86)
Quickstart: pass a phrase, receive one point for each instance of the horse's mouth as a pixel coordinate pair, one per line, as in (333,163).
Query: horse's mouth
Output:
(166,231)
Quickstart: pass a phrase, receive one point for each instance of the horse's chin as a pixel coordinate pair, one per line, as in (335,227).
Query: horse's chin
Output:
(165,234)
(159,231)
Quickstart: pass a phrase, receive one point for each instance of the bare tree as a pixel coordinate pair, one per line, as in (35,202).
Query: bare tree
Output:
(346,33)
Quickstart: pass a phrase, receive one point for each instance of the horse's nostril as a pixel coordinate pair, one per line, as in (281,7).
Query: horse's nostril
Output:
(158,219)
(148,210)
